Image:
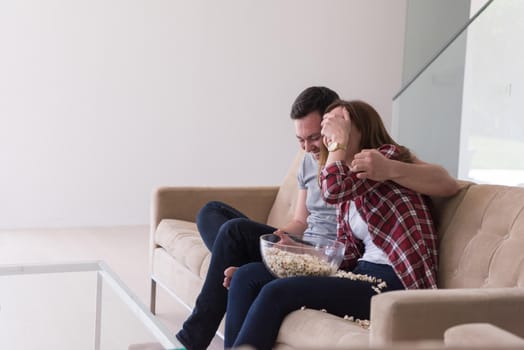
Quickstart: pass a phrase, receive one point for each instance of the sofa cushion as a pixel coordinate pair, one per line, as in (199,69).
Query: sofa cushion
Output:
(481,335)
(483,246)
(313,329)
(283,208)
(182,241)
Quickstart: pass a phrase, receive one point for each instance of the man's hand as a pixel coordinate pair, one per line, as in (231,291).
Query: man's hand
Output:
(425,178)
(290,239)
(284,238)
(371,164)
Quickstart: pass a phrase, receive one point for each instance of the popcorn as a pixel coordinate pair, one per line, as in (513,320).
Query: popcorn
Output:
(376,283)
(363,323)
(287,264)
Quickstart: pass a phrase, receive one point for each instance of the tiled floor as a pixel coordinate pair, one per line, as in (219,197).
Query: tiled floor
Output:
(124,249)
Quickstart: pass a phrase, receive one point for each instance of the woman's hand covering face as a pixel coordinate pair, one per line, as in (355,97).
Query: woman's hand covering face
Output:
(336,126)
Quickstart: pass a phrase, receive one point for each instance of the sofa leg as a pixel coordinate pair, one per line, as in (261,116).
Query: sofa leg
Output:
(152,301)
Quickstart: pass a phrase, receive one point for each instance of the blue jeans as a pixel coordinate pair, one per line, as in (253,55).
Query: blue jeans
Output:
(211,217)
(234,243)
(258,303)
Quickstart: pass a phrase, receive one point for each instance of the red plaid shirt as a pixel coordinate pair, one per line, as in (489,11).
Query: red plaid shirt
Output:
(399,221)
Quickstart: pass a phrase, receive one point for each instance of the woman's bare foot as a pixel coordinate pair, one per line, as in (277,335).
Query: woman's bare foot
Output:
(228,273)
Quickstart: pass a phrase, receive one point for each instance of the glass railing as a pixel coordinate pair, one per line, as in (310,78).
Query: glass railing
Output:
(463,109)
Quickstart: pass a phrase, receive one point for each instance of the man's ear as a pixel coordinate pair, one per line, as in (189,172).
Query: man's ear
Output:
(345,113)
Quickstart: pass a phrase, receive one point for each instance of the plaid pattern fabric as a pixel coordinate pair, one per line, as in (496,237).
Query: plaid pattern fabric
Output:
(399,221)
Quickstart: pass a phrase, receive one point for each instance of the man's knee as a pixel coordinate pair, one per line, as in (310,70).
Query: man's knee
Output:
(234,227)
(210,207)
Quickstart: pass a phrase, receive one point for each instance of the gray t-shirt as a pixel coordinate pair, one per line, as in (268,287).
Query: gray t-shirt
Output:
(322,217)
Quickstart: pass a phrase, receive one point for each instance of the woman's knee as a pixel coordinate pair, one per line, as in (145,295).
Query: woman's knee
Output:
(241,276)
(250,271)
(250,275)
(277,289)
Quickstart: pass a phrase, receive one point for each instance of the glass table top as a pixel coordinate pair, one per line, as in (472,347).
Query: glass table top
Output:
(74,306)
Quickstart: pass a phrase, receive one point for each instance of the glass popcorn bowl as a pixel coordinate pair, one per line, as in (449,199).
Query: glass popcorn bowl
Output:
(307,256)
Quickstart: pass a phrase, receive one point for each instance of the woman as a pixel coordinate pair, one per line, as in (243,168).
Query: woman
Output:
(387,230)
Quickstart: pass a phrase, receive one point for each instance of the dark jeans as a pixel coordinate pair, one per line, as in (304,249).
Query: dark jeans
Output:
(235,244)
(259,303)
(211,217)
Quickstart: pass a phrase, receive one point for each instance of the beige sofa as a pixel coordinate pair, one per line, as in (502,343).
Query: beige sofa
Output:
(481,270)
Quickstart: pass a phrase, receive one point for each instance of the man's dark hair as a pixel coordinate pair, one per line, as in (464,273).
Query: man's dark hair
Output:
(312,99)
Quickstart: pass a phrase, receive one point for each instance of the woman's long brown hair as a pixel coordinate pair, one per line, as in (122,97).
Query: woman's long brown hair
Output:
(373,133)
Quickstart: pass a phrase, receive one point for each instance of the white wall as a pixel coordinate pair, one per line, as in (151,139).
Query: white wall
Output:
(103,100)
(427,118)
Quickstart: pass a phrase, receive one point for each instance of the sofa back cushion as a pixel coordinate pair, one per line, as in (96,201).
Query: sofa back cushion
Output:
(285,202)
(481,233)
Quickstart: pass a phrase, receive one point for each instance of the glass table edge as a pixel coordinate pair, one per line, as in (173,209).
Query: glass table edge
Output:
(104,271)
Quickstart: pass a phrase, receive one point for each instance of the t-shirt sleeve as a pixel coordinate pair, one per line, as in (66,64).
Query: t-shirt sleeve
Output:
(300,174)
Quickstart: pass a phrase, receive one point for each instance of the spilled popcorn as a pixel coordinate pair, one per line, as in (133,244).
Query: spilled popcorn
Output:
(377,284)
(366,324)
(362,323)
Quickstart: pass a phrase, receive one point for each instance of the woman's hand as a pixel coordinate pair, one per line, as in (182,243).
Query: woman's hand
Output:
(336,126)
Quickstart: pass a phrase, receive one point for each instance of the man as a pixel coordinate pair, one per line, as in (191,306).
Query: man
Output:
(234,239)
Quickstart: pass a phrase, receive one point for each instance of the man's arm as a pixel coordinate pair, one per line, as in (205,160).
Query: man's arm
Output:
(298,224)
(425,178)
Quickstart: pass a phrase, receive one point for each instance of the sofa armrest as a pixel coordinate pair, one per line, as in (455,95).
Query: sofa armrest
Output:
(426,314)
(183,203)
(480,335)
